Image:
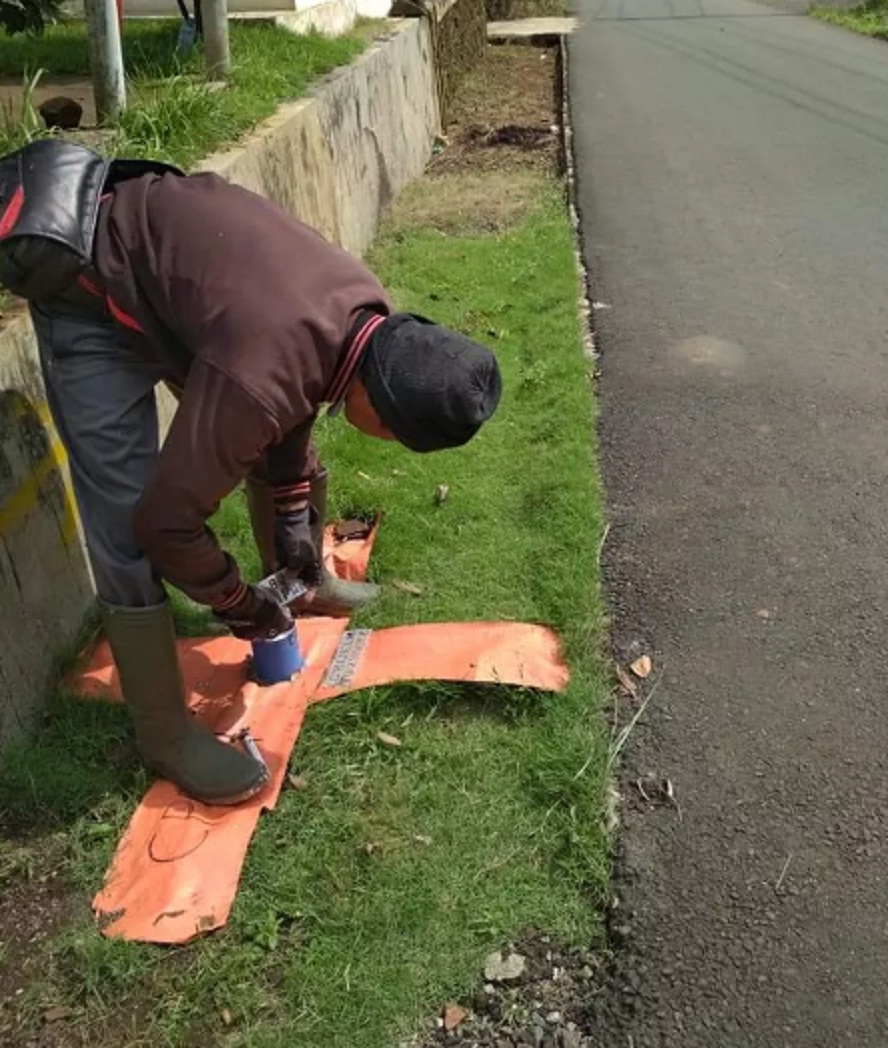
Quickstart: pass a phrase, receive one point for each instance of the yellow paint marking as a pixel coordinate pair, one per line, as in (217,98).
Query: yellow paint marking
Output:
(24,499)
(15,508)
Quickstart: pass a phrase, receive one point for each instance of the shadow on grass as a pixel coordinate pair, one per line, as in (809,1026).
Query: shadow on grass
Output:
(148,47)
(81,756)
(452,701)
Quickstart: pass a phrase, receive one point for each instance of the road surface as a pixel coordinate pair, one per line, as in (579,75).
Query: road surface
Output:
(733,185)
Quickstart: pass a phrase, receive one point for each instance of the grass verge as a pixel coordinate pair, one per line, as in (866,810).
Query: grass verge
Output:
(174,114)
(370,897)
(869,18)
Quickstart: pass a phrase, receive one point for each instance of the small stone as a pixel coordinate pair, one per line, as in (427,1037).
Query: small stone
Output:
(499,968)
(56,1014)
(571,1039)
(453,1016)
(62,112)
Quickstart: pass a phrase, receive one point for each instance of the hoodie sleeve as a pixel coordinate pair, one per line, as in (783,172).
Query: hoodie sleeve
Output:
(218,435)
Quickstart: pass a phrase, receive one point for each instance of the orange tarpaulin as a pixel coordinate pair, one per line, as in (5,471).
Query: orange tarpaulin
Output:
(514,653)
(175,872)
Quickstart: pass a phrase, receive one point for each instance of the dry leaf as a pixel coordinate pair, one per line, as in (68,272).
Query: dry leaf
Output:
(408,587)
(421,838)
(441,493)
(453,1016)
(297,782)
(60,1011)
(627,684)
(225,1016)
(642,667)
(388,740)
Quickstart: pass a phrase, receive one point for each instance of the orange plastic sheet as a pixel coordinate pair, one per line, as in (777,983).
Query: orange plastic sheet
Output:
(513,653)
(175,872)
(348,558)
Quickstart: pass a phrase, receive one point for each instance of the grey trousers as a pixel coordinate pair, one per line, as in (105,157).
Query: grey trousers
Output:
(102,399)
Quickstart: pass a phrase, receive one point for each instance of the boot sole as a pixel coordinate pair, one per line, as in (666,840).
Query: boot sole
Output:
(218,802)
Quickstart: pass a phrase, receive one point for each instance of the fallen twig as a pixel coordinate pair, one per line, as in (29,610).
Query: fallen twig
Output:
(783,872)
(601,543)
(623,737)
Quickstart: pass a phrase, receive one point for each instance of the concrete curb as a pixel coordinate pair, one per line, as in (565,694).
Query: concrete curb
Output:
(585,303)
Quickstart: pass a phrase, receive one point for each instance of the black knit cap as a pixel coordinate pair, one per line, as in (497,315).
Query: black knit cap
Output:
(432,387)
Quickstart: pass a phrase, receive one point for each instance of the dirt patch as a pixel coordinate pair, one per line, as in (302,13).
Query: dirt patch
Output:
(546,1006)
(496,146)
(494,126)
(77,87)
(489,202)
(36,903)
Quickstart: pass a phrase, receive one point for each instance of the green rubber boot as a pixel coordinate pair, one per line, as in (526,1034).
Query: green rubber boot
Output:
(334,597)
(169,738)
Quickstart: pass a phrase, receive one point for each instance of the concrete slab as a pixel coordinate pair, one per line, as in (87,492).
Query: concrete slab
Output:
(530,28)
(330,17)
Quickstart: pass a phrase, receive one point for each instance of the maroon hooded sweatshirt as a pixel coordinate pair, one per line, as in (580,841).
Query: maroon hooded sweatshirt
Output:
(256,319)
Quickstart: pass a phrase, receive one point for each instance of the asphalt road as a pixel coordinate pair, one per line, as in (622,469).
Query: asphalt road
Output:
(733,185)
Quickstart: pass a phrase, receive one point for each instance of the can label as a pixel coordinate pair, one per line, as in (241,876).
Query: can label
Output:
(283,586)
(277,659)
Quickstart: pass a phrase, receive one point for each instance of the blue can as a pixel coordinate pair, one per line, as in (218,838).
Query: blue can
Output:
(277,659)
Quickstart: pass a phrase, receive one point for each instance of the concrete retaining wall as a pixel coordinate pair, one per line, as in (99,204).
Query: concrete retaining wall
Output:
(334,159)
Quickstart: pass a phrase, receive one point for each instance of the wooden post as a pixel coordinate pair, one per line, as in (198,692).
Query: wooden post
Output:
(214,14)
(106,58)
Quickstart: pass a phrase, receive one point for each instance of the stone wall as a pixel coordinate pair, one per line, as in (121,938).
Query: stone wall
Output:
(460,36)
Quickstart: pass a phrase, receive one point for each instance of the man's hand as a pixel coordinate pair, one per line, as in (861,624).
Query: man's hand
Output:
(294,544)
(257,616)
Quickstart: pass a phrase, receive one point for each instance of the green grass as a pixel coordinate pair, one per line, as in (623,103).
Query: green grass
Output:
(870,18)
(371,897)
(174,114)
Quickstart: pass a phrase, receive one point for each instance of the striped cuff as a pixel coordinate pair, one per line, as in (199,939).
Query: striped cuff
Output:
(290,497)
(233,598)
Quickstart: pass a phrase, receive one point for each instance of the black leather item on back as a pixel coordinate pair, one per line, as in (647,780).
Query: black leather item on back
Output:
(59,186)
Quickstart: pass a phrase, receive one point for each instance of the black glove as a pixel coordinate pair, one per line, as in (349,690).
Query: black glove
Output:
(257,616)
(294,544)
